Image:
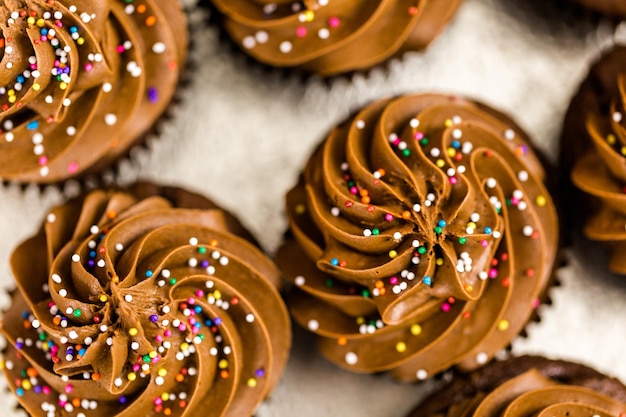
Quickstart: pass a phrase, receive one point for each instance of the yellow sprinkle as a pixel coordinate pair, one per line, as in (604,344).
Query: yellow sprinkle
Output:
(416,330)
(31,20)
(624,150)
(132,331)
(26,384)
(103,298)
(439,261)
(440,163)
(131,376)
(11,92)
(165,396)
(222,364)
(80,41)
(611,139)
(309,15)
(63,86)
(448,122)
(503,325)
(252,382)
(162,372)
(41,22)
(217,294)
(2,365)
(451,152)
(360,320)
(36,87)
(12,99)
(184,346)
(401,347)
(300,209)
(541,201)
(471,225)
(393,254)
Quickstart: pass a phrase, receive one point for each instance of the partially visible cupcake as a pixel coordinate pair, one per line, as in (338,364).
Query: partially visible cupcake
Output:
(593,151)
(82,83)
(143,301)
(528,386)
(615,8)
(330,37)
(422,237)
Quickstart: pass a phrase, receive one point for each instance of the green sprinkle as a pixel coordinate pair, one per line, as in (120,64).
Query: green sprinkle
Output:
(173,281)
(329,282)
(375,231)
(421,250)
(462,240)
(424,142)
(406,152)
(202,250)
(365,293)
(438,230)
(77,313)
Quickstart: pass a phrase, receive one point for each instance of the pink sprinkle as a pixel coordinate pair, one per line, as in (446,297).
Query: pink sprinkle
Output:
(484,243)
(514,201)
(33,67)
(195,330)
(158,401)
(388,217)
(136,367)
(445,307)
(536,303)
(167,333)
(418,135)
(393,280)
(182,327)
(43,38)
(62,403)
(46,390)
(396,142)
(120,48)
(333,22)
(158,338)
(301,32)
(354,190)
(88,66)
(453,180)
(191,301)
(43,160)
(493,273)
(69,388)
(72,167)
(59,23)
(199,293)
(155,359)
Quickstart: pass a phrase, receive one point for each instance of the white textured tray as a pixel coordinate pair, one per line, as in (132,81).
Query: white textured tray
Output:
(241,136)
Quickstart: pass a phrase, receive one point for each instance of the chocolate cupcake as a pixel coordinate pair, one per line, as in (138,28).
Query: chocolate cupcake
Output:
(142,301)
(422,237)
(330,37)
(593,151)
(528,385)
(614,8)
(83,83)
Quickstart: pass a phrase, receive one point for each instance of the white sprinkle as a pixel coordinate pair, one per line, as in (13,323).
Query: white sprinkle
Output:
(106,87)
(335,211)
(261,36)
(73,335)
(481,358)
(110,119)
(509,134)
(417,208)
(9,137)
(224,260)
(313,325)
(128,298)
(397,235)
(71,131)
(522,176)
(617,117)
(118,382)
(250,318)
(75,257)
(134,345)
(360,124)
(285,47)
(101,263)
(491,182)
(527,230)
(299,280)
(248,42)
(367,232)
(414,123)
(192,262)
(158,48)
(457,134)
(421,374)
(56,278)
(351,358)
(119,247)
(323,33)
(435,152)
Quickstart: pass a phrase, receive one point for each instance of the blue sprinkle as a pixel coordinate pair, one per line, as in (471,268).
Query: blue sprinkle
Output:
(73,29)
(32,125)
(442,223)
(21,79)
(456,144)
(44,31)
(197,309)
(25,314)
(334,261)
(92,254)
(148,273)
(428,280)
(20,392)
(488,230)
(122,400)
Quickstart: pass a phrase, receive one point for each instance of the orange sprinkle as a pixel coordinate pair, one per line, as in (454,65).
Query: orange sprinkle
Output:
(56,320)
(366,200)
(150,21)
(167,411)
(406,214)
(26,324)
(467,315)
(213,243)
(224,374)
(342,341)
(111,214)
(95,376)
(76,402)
(1,43)
(182,403)
(31,372)
(379,284)
(364,192)
(141,8)
(180,377)
(382,291)
(469,288)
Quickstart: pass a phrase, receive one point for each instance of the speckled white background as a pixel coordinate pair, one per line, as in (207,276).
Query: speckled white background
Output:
(242,134)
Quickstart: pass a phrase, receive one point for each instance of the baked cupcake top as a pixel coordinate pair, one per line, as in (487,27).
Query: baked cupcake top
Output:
(329,37)
(83,81)
(143,301)
(423,237)
(528,385)
(594,147)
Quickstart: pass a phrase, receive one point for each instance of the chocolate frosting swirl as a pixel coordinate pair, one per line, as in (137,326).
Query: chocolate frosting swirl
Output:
(330,37)
(83,81)
(424,237)
(528,386)
(594,147)
(130,303)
